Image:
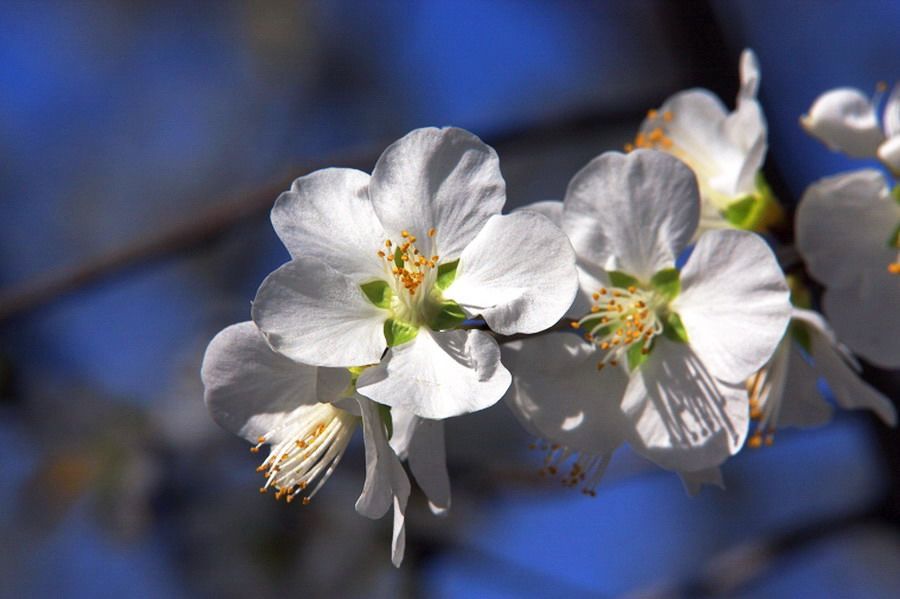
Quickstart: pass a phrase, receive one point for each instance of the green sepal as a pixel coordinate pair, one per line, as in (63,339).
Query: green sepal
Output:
(800,334)
(667,283)
(397,332)
(385,413)
(636,355)
(446,273)
(893,241)
(450,316)
(800,296)
(755,212)
(378,292)
(620,279)
(674,329)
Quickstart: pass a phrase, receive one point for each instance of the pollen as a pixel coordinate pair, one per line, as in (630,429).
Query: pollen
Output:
(409,264)
(628,319)
(305,447)
(576,469)
(656,137)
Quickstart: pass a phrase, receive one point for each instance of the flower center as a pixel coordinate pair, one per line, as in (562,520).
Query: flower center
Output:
(622,320)
(584,469)
(307,445)
(657,138)
(411,273)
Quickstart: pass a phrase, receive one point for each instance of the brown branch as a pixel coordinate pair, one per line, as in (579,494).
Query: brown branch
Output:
(206,225)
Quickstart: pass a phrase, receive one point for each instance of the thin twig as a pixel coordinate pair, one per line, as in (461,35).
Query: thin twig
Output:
(208,224)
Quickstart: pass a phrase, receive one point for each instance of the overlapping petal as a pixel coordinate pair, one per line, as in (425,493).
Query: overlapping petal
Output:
(518,274)
(250,389)
(385,477)
(734,303)
(314,314)
(446,179)
(685,419)
(327,215)
(844,119)
(633,213)
(439,374)
(421,442)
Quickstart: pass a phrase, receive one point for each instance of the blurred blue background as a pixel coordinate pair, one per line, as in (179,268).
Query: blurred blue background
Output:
(119,120)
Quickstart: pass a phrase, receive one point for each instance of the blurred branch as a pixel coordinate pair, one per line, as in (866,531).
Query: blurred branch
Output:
(206,225)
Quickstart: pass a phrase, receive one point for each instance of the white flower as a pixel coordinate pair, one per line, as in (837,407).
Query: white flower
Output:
(307,416)
(785,392)
(399,259)
(673,348)
(725,150)
(846,120)
(848,232)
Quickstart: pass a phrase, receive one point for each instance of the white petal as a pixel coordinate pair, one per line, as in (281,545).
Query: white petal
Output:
(695,481)
(313,314)
(802,405)
(864,316)
(844,119)
(632,213)
(382,465)
(398,538)
(249,388)
(518,274)
(686,419)
(850,391)
(734,303)
(843,224)
(559,395)
(428,462)
(447,179)
(552,209)
(889,153)
(749,69)
(327,215)
(439,375)
(892,113)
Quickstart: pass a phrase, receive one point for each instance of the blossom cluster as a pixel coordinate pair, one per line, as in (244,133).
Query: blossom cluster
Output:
(646,307)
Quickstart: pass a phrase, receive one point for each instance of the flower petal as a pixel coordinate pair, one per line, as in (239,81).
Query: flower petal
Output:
(686,420)
(802,405)
(734,303)
(749,70)
(552,209)
(249,388)
(428,462)
(327,215)
(313,314)
(889,153)
(836,365)
(559,395)
(439,375)
(446,179)
(518,274)
(633,213)
(843,224)
(892,113)
(844,119)
(383,468)
(695,481)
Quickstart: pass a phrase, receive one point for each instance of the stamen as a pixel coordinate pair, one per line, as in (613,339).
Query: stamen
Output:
(586,469)
(306,446)
(414,264)
(614,325)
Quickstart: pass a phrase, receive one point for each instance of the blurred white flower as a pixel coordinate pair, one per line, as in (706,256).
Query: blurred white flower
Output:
(848,232)
(307,416)
(726,150)
(680,344)
(846,120)
(785,391)
(399,260)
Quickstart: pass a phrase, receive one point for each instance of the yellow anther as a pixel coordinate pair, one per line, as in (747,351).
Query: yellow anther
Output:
(380,254)
(574,325)
(667,116)
(432,232)
(306,501)
(881,87)
(652,113)
(629,148)
(755,442)
(387,243)
(632,289)
(404,233)
(894,268)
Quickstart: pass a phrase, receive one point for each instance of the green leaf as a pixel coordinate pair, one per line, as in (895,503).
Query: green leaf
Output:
(667,283)
(674,328)
(620,279)
(378,292)
(449,317)
(636,355)
(385,413)
(446,273)
(397,332)
(738,213)
(801,335)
